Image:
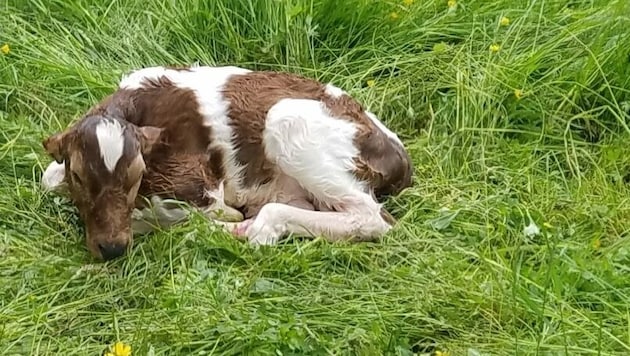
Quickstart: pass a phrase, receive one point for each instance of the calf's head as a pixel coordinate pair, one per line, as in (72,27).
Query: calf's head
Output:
(103,159)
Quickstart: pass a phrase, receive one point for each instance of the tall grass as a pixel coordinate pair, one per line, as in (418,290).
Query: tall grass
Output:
(534,133)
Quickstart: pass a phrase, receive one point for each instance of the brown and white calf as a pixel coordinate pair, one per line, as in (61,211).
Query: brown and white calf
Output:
(278,153)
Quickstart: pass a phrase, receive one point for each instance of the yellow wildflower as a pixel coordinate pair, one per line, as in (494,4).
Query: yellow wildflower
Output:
(120,349)
(495,47)
(5,48)
(394,15)
(407,2)
(597,244)
(371,83)
(452,3)
(440,47)
(504,21)
(518,93)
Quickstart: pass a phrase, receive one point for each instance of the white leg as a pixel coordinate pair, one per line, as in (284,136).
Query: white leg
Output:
(164,213)
(151,218)
(140,222)
(161,213)
(277,220)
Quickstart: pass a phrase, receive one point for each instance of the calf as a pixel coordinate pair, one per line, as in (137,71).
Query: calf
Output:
(278,153)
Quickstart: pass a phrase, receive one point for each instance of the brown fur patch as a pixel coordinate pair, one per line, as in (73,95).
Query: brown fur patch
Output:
(182,176)
(215,163)
(159,103)
(382,162)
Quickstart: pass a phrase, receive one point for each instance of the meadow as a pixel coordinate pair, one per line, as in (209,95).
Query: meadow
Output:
(512,241)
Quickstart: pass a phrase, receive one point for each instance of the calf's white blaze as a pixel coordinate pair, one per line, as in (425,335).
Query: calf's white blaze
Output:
(109,135)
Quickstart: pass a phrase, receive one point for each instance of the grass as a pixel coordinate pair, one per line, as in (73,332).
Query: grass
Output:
(458,274)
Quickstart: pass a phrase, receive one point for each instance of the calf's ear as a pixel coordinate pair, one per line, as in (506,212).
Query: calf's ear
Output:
(57,145)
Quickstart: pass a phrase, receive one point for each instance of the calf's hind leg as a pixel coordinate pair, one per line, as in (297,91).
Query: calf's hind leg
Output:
(276,220)
(317,150)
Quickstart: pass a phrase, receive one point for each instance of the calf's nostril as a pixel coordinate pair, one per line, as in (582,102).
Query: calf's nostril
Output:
(111,251)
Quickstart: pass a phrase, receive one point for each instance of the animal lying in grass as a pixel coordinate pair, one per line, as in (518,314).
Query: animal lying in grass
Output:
(276,152)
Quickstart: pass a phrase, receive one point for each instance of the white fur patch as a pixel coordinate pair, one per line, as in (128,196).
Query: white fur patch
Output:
(199,75)
(318,151)
(383,128)
(109,134)
(52,178)
(134,79)
(334,91)
(313,147)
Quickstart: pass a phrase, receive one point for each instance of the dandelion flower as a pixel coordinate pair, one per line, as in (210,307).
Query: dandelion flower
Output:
(452,3)
(370,83)
(120,349)
(440,47)
(407,2)
(504,21)
(518,93)
(394,15)
(531,230)
(597,244)
(5,48)
(495,47)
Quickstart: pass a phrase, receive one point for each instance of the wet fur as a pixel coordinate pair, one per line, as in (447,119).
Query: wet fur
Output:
(293,154)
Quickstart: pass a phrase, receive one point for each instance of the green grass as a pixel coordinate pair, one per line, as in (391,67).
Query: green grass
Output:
(457,274)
